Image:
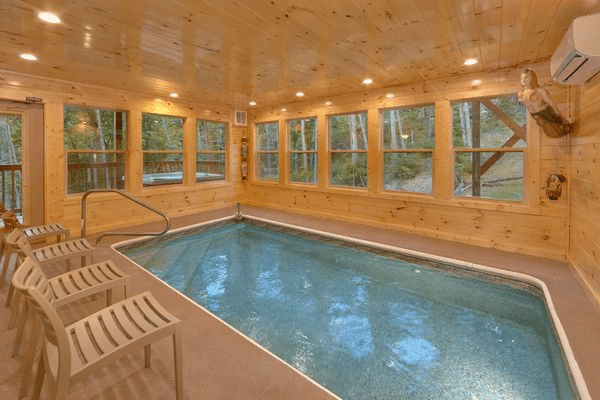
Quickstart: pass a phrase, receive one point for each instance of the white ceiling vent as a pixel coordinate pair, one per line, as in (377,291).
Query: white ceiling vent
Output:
(577,57)
(240,118)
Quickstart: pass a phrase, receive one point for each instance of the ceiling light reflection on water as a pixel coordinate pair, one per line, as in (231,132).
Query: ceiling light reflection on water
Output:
(363,325)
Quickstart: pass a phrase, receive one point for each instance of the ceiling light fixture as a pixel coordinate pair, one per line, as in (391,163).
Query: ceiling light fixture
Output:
(476,82)
(49,17)
(283,109)
(367,81)
(299,94)
(252,103)
(174,94)
(389,95)
(471,61)
(28,57)
(327,103)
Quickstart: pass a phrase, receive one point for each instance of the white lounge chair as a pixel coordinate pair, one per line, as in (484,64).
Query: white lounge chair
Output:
(17,242)
(60,291)
(99,339)
(35,234)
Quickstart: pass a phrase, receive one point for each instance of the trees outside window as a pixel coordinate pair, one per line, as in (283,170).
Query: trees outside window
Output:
(94,140)
(162,147)
(267,151)
(489,137)
(211,138)
(348,149)
(10,161)
(408,142)
(302,137)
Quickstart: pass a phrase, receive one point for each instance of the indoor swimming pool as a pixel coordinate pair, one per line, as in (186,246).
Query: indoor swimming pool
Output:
(368,323)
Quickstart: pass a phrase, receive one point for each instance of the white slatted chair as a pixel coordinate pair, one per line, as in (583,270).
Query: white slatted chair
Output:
(100,339)
(18,243)
(34,234)
(61,291)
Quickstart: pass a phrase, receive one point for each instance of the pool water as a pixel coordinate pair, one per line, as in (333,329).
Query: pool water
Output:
(364,325)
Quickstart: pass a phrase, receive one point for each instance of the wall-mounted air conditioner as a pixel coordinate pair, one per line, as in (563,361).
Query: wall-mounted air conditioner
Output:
(577,57)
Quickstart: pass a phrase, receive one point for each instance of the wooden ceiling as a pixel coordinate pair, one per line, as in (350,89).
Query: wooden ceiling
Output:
(229,52)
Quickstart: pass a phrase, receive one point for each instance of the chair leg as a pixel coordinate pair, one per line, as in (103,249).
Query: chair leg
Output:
(147,356)
(14,311)
(178,365)
(11,289)
(108,297)
(33,352)
(4,262)
(22,320)
(5,265)
(39,380)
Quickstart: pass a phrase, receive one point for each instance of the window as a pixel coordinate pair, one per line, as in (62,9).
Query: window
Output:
(408,142)
(348,149)
(11,126)
(162,146)
(303,150)
(267,151)
(489,138)
(94,145)
(210,150)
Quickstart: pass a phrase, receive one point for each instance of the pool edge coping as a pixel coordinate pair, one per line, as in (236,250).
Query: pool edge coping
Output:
(573,366)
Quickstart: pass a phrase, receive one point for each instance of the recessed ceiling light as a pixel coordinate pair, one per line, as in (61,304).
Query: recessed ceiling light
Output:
(174,94)
(49,17)
(28,57)
(252,103)
(283,109)
(389,95)
(471,61)
(299,94)
(476,82)
(327,103)
(367,81)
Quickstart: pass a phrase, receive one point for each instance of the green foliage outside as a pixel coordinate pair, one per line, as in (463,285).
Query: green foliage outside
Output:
(210,136)
(211,139)
(161,133)
(267,146)
(302,135)
(504,180)
(348,135)
(11,153)
(97,129)
(405,129)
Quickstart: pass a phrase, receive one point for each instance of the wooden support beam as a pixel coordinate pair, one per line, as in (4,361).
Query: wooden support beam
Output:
(476,156)
(496,156)
(519,130)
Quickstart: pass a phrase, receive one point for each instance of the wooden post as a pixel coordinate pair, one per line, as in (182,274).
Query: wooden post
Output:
(476,156)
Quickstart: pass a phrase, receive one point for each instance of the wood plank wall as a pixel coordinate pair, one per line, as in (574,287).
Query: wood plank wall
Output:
(536,226)
(584,189)
(109,211)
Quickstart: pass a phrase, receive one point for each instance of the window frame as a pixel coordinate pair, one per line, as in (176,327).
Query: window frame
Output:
(313,152)
(421,150)
(331,151)
(224,152)
(526,138)
(120,178)
(258,152)
(166,152)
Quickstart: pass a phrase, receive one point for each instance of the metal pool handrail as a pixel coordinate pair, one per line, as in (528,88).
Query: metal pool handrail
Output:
(116,233)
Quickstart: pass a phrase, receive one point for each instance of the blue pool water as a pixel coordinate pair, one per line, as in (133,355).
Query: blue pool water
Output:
(364,325)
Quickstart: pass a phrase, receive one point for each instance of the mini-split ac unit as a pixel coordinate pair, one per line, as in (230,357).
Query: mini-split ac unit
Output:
(577,57)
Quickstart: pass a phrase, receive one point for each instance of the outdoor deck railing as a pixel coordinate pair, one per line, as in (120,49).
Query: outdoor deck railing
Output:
(10,180)
(84,176)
